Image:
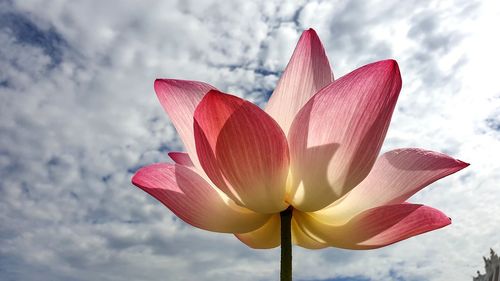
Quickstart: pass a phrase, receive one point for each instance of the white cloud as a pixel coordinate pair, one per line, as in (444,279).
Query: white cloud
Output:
(72,130)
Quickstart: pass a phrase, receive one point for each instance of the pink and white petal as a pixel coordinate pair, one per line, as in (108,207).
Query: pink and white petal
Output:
(266,237)
(179,99)
(243,151)
(193,200)
(303,240)
(395,177)
(376,227)
(336,137)
(307,72)
(181,158)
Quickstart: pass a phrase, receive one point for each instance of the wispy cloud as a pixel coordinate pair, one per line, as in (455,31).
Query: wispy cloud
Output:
(78,116)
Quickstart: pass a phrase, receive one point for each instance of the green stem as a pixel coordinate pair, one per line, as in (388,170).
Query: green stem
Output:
(286,245)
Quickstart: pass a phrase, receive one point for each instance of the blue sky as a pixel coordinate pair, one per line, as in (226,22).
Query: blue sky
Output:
(78,115)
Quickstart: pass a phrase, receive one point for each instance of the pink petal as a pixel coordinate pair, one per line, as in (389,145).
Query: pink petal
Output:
(337,135)
(307,72)
(243,151)
(181,158)
(266,237)
(375,227)
(179,99)
(395,177)
(193,200)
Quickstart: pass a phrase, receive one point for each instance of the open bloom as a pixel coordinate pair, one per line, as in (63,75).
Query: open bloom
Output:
(313,148)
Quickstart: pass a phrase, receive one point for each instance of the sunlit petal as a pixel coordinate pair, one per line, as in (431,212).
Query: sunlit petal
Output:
(336,136)
(193,200)
(376,227)
(266,237)
(395,177)
(179,99)
(300,238)
(243,151)
(307,72)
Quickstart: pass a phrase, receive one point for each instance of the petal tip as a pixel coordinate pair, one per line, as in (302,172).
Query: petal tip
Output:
(181,158)
(389,68)
(387,63)
(157,84)
(133,180)
(136,178)
(160,84)
(442,219)
(211,98)
(445,223)
(390,64)
(462,164)
(159,81)
(458,164)
(139,178)
(310,35)
(213,93)
(393,67)
(311,31)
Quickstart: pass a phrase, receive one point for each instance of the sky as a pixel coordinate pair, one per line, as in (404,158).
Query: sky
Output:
(78,116)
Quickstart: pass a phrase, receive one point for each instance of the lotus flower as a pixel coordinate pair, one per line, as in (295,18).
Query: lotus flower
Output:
(313,150)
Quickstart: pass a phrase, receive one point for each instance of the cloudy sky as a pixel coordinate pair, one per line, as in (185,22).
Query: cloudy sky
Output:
(79,116)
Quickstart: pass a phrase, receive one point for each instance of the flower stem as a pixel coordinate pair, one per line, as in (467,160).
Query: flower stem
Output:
(286,245)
